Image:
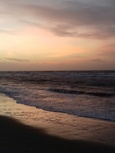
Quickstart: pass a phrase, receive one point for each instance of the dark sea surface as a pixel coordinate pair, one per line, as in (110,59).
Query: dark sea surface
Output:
(82,93)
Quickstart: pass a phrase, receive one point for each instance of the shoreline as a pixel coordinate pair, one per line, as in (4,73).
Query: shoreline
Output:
(44,109)
(60,124)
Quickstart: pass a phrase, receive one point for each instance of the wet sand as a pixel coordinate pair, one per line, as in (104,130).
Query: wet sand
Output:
(36,130)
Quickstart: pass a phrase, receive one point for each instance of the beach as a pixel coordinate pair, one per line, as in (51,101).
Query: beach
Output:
(57,76)
(59,128)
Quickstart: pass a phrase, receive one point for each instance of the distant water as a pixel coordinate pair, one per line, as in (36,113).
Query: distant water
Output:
(82,93)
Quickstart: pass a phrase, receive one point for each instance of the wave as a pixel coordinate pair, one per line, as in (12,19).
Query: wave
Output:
(69,91)
(88,95)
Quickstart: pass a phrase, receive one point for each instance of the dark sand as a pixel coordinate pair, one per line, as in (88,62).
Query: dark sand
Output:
(16,137)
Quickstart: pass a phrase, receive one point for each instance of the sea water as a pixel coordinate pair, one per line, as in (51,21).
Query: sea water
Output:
(82,93)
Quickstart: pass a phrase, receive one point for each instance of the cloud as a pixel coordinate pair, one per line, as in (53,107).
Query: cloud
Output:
(18,60)
(9,32)
(96,60)
(76,19)
(70,18)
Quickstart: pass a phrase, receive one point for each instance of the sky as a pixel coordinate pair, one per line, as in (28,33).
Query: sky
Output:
(48,35)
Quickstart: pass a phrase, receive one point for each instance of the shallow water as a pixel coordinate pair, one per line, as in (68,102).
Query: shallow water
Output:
(83,93)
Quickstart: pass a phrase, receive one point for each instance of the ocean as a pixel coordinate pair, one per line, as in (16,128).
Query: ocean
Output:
(82,93)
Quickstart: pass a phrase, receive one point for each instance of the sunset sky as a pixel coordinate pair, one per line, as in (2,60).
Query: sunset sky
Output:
(57,35)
